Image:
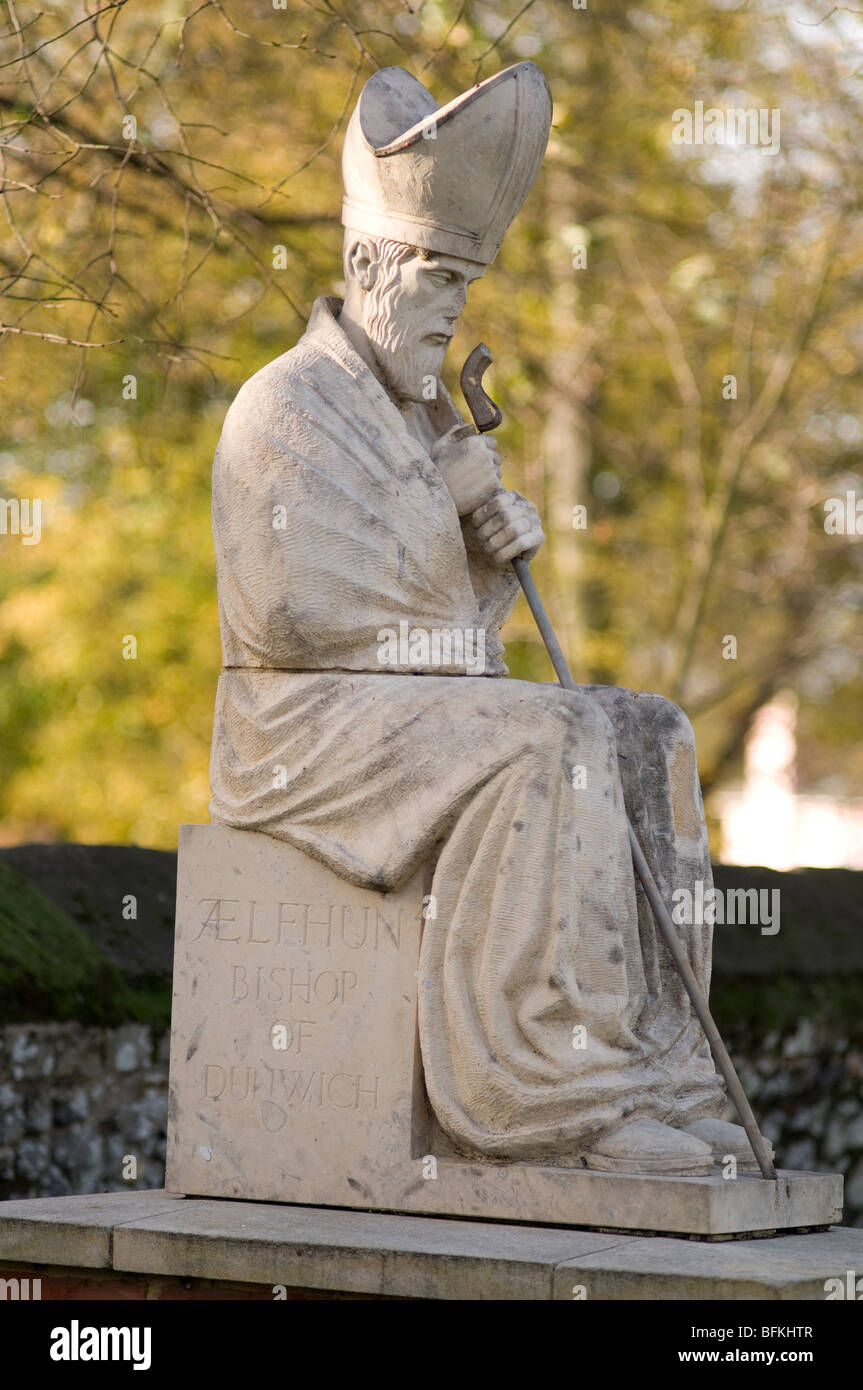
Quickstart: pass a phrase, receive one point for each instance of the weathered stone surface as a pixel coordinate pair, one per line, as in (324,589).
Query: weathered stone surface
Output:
(71,1230)
(496,130)
(293,1066)
(68,1128)
(29,1058)
(411,1257)
(414,1257)
(268,939)
(855,1185)
(79,1050)
(787,1267)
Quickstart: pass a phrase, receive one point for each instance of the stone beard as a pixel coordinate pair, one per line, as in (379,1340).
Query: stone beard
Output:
(396,341)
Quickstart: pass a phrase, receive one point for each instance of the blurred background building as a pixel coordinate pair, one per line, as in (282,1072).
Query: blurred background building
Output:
(768,821)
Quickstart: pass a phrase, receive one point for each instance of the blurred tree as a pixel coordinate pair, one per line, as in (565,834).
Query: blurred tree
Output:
(677,332)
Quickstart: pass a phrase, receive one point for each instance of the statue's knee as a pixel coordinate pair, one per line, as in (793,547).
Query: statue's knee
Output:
(583,716)
(672,731)
(565,723)
(666,721)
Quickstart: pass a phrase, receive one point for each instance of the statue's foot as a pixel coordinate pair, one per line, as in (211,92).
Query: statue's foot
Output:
(725,1138)
(646,1146)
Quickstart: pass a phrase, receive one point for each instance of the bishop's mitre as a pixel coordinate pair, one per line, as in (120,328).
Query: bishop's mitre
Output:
(448,179)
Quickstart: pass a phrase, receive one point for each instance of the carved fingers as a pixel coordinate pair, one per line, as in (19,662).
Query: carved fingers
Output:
(470,469)
(508,525)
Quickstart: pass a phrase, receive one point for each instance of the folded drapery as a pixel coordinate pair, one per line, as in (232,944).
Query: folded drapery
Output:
(549,1007)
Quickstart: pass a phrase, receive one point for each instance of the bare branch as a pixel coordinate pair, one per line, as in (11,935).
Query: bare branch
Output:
(56,338)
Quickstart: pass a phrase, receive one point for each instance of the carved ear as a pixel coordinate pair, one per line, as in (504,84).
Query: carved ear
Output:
(361,263)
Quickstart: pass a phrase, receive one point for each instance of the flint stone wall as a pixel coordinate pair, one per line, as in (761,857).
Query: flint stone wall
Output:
(76,1103)
(79,1100)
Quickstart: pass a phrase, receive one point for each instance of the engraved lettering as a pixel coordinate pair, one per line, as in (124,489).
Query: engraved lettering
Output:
(214,1095)
(371,1091)
(216,919)
(300,926)
(346,932)
(226,921)
(244,1074)
(293,1037)
(326,987)
(311,1090)
(318,986)
(313,925)
(272,1116)
(299,985)
(286,920)
(258,940)
(351,1102)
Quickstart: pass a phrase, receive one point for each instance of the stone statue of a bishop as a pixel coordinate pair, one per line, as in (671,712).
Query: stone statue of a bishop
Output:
(363,543)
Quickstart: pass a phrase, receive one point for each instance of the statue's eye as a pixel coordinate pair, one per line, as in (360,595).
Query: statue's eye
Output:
(441,277)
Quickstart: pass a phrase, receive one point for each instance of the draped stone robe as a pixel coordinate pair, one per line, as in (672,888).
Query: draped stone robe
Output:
(550,1010)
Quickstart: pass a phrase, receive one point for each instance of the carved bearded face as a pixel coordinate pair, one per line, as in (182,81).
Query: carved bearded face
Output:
(410,312)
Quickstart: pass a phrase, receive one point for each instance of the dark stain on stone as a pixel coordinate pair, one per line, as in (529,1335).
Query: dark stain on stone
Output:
(194,1042)
(615,955)
(518,825)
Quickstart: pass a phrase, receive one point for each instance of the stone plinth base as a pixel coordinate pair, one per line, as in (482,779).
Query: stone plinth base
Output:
(151,1245)
(296,1073)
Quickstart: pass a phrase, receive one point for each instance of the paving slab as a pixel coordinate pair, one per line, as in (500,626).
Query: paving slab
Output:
(73,1230)
(782,1267)
(360,1252)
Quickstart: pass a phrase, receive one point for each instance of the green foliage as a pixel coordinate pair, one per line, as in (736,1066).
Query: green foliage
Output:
(705,515)
(748,1010)
(51,970)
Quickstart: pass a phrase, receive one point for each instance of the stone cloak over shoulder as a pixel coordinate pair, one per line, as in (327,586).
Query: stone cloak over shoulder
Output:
(332,523)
